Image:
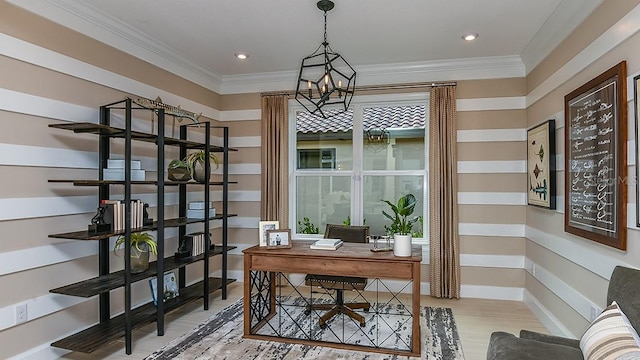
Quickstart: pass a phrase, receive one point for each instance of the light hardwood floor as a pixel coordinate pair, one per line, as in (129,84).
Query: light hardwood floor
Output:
(476,320)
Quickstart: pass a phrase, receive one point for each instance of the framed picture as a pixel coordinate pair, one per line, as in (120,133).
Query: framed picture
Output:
(541,165)
(263,226)
(596,159)
(279,239)
(636,86)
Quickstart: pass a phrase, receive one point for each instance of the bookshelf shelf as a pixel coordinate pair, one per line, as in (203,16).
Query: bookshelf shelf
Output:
(112,327)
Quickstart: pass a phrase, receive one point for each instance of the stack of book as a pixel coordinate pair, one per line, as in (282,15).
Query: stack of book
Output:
(326,244)
(115,170)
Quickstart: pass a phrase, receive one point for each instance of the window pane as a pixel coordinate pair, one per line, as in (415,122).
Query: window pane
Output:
(394,137)
(323,200)
(378,188)
(324,143)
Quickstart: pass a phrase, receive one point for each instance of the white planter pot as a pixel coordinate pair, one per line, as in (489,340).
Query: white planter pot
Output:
(401,245)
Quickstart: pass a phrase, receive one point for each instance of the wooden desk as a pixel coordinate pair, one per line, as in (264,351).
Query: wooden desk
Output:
(350,260)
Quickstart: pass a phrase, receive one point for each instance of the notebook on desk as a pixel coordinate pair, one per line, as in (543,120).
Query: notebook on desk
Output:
(326,244)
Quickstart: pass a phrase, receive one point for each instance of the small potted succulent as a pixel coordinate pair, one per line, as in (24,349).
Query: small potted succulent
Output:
(195,160)
(179,170)
(141,245)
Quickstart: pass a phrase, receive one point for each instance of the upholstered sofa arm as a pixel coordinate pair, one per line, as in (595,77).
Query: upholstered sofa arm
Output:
(532,335)
(505,346)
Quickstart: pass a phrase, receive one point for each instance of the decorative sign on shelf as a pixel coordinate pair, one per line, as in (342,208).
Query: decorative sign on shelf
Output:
(541,165)
(595,159)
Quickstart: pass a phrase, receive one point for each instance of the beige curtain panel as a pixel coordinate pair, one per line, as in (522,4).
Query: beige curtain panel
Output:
(443,194)
(275,160)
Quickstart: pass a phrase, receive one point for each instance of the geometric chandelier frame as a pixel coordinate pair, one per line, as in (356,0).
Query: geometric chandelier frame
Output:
(325,77)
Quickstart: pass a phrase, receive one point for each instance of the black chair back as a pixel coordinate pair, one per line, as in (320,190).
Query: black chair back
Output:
(347,233)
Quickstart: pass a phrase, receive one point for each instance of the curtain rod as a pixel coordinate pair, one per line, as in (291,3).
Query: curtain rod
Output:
(377,87)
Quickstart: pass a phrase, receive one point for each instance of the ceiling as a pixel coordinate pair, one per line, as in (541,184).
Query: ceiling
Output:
(197,39)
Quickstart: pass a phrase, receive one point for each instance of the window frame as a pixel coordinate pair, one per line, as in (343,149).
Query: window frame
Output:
(357,172)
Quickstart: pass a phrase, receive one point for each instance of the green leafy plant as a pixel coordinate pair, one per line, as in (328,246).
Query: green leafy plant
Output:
(137,239)
(347,221)
(176,164)
(307,227)
(400,221)
(198,157)
(419,233)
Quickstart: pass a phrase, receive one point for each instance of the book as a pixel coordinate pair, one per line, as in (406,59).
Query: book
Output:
(328,242)
(325,246)
(170,287)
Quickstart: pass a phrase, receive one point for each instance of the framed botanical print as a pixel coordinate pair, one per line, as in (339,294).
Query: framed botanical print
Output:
(541,165)
(596,159)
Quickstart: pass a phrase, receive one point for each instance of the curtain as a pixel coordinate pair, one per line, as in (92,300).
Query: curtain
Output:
(274,198)
(443,194)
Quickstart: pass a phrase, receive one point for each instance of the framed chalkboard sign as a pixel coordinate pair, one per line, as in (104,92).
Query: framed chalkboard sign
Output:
(595,159)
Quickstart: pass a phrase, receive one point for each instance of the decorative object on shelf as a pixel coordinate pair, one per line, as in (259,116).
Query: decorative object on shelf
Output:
(401,224)
(175,111)
(192,245)
(541,165)
(115,170)
(596,159)
(179,170)
(98,225)
(279,239)
(195,160)
(195,210)
(325,77)
(146,221)
(263,227)
(141,245)
(171,290)
(380,243)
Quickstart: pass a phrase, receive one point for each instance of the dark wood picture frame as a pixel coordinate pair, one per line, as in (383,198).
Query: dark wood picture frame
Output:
(636,87)
(541,165)
(283,237)
(596,159)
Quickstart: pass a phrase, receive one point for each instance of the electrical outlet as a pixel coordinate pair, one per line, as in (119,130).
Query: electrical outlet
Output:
(21,313)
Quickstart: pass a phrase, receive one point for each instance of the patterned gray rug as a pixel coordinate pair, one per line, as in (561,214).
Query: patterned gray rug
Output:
(220,337)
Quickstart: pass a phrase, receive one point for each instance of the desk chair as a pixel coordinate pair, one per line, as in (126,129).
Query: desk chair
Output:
(357,234)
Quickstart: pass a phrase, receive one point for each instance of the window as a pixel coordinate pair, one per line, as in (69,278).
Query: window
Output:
(342,178)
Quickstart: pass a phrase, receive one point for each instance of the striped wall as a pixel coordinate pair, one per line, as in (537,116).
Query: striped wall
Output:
(49,74)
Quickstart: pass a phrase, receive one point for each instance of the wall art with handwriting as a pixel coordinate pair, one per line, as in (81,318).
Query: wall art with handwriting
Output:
(595,159)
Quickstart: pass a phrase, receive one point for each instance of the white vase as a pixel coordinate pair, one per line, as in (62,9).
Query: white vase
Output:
(402,245)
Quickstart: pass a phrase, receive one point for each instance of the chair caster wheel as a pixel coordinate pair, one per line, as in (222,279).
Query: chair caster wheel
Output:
(363,324)
(307,312)
(366,309)
(323,326)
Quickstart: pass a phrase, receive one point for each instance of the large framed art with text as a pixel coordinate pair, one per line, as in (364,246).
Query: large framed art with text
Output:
(596,159)
(541,165)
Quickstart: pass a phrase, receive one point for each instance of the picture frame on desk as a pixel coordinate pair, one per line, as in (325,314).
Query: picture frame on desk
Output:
(263,226)
(279,239)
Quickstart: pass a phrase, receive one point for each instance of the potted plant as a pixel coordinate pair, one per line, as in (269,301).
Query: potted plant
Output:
(179,170)
(401,224)
(141,245)
(195,160)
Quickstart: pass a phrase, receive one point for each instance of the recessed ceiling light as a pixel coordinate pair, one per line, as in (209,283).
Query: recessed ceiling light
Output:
(470,36)
(242,56)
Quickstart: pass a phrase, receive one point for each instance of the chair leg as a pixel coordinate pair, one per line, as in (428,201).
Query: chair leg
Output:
(357,317)
(328,315)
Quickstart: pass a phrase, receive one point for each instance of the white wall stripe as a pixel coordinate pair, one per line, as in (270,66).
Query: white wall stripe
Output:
(47,108)
(500,103)
(578,251)
(545,316)
(491,167)
(240,115)
(491,292)
(37,307)
(615,35)
(491,135)
(508,230)
(35,257)
(563,290)
(243,141)
(492,261)
(492,198)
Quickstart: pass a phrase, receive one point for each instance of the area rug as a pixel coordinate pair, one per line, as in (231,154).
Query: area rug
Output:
(220,337)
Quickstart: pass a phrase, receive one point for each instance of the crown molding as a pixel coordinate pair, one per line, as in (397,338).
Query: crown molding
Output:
(565,18)
(497,67)
(83,18)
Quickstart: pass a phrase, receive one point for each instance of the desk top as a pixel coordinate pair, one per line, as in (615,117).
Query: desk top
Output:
(300,248)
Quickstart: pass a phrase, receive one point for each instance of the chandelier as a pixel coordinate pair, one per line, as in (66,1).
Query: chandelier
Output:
(325,77)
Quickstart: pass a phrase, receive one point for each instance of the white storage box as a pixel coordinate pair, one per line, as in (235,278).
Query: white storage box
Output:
(119,164)
(199,205)
(118,175)
(199,214)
